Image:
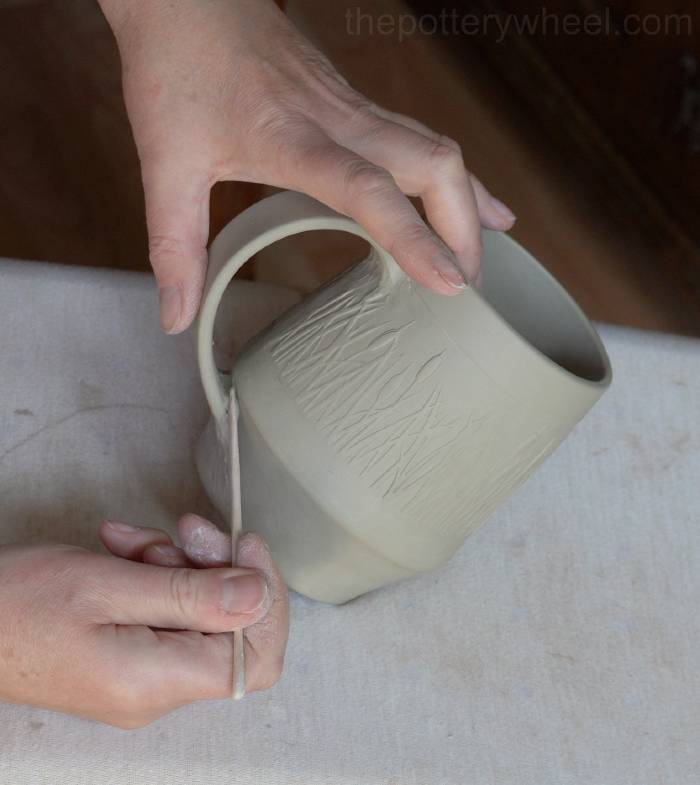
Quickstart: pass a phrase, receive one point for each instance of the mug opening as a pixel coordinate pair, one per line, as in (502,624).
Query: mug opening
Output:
(531,301)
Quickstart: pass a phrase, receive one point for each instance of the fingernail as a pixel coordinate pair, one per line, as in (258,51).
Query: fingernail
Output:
(171,551)
(170,307)
(117,526)
(505,211)
(450,273)
(169,554)
(243,593)
(460,285)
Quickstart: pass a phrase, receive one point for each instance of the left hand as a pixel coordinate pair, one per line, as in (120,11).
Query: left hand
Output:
(204,545)
(127,637)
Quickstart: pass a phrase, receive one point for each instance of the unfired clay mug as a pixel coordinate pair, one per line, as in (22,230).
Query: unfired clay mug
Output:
(381,423)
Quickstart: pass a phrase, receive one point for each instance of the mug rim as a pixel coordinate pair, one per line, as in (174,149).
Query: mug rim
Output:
(605,379)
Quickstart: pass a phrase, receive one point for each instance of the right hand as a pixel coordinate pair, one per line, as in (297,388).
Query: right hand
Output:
(232,91)
(123,641)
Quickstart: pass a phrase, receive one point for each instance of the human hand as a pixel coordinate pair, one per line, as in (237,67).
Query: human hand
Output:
(124,640)
(232,91)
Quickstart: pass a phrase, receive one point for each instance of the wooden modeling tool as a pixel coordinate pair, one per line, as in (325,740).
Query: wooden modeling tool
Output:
(236,528)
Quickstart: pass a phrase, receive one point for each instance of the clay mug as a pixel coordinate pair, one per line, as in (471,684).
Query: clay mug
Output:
(380,423)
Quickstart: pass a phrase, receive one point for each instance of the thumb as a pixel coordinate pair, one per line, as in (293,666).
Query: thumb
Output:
(205,600)
(177,214)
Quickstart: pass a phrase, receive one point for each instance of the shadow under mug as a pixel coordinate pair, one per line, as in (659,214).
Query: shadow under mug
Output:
(381,423)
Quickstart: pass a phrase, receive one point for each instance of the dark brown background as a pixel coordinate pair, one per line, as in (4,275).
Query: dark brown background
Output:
(593,140)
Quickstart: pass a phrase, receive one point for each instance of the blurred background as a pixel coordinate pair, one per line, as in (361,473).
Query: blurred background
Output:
(583,116)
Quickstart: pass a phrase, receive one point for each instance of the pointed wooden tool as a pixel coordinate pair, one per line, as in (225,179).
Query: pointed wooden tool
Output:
(236,528)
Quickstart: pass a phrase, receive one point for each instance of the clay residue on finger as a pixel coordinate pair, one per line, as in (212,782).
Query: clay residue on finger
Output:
(254,552)
(205,544)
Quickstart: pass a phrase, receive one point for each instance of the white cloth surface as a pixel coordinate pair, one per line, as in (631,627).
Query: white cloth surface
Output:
(560,645)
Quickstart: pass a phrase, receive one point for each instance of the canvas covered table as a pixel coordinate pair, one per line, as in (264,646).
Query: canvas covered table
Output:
(560,645)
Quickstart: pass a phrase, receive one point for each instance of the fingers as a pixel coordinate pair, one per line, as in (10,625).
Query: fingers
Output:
(435,172)
(165,556)
(130,542)
(204,544)
(177,213)
(213,600)
(369,194)
(146,673)
(163,668)
(179,667)
(140,543)
(266,640)
(428,165)
(493,213)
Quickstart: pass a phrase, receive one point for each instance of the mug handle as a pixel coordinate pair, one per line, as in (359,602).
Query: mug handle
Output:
(269,220)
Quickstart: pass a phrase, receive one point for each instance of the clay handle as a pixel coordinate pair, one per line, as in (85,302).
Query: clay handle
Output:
(264,223)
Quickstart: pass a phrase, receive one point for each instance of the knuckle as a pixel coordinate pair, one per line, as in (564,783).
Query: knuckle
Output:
(131,723)
(163,249)
(446,154)
(411,241)
(448,141)
(126,701)
(361,114)
(363,180)
(360,105)
(184,591)
(132,719)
